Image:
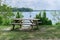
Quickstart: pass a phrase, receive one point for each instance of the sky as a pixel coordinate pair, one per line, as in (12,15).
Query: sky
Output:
(35,4)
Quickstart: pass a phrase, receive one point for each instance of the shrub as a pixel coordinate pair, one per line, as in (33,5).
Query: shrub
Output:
(6,21)
(19,15)
(1,19)
(43,19)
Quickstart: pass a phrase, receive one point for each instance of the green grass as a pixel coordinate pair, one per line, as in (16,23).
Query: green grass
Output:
(4,26)
(47,33)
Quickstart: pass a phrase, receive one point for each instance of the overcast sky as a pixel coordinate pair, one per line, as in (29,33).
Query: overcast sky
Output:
(35,4)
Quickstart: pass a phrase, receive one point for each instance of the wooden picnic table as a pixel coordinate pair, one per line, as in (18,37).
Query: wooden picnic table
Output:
(19,21)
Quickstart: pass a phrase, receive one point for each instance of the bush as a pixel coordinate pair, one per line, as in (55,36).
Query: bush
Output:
(19,15)
(6,21)
(1,19)
(5,14)
(43,19)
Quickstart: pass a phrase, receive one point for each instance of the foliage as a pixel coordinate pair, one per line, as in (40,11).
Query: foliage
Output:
(19,15)
(23,9)
(6,13)
(6,21)
(44,15)
(1,19)
(58,23)
(43,19)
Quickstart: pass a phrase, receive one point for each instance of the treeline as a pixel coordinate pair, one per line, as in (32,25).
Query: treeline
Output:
(22,9)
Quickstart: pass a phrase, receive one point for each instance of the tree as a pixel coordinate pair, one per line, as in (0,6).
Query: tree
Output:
(43,19)
(1,18)
(44,14)
(19,15)
(6,12)
(38,16)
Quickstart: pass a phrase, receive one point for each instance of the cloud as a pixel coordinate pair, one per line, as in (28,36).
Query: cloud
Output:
(35,4)
(53,4)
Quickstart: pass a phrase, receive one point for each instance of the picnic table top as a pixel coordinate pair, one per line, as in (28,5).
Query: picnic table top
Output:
(25,19)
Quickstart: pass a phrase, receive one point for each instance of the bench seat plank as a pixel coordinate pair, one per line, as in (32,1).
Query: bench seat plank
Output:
(22,24)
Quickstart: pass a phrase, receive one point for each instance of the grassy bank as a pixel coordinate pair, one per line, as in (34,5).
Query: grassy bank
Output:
(45,32)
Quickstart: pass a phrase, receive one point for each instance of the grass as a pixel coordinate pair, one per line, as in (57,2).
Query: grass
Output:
(44,32)
(4,26)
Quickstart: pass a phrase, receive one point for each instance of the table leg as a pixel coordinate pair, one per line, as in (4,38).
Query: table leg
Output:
(37,25)
(20,26)
(13,27)
(31,25)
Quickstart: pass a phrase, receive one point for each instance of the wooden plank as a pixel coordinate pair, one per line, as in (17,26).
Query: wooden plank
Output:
(25,19)
(15,23)
(22,24)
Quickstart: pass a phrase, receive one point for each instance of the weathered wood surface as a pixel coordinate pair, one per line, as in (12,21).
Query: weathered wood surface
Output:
(25,19)
(20,21)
